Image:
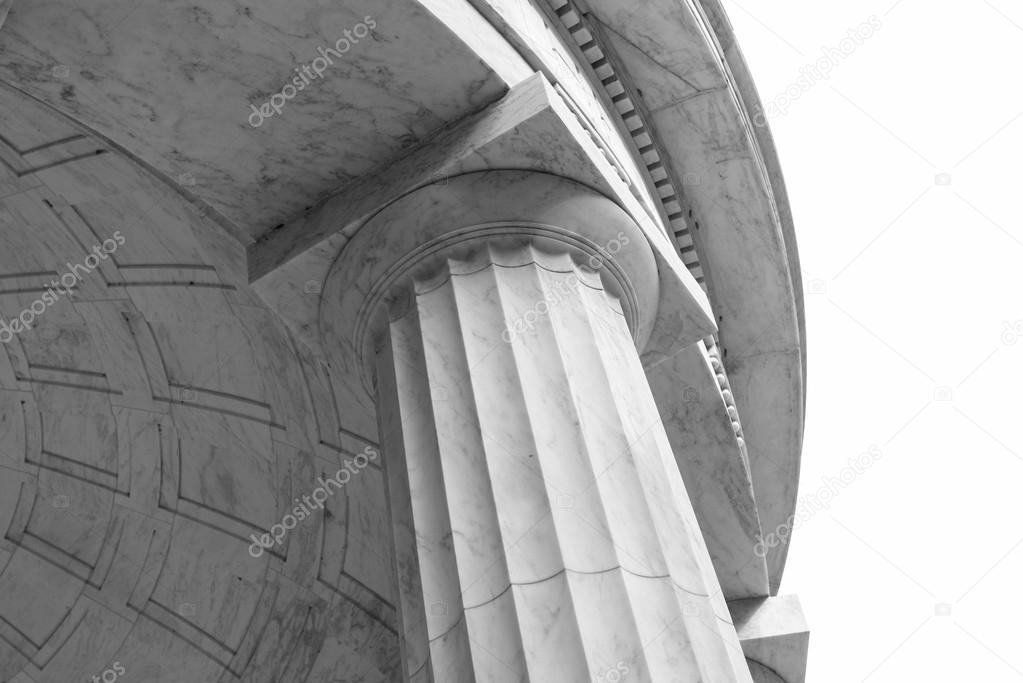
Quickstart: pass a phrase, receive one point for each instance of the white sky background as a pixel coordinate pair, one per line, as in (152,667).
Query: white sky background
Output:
(912,286)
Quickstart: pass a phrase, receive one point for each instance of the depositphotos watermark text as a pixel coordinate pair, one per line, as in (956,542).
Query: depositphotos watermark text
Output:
(816,71)
(309,72)
(24,320)
(318,497)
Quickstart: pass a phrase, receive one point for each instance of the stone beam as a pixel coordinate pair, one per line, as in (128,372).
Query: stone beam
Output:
(533,129)
(774,637)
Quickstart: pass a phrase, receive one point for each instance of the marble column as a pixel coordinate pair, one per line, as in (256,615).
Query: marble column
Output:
(542,529)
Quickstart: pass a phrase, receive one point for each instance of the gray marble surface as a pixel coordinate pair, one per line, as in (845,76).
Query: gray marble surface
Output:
(173,84)
(148,425)
(537,551)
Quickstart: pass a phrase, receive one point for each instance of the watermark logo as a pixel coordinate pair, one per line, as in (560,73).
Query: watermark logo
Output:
(307,73)
(62,286)
(820,499)
(818,286)
(816,71)
(110,675)
(615,674)
(1012,332)
(527,321)
(304,508)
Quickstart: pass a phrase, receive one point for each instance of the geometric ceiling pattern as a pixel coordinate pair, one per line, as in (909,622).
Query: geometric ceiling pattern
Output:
(154,417)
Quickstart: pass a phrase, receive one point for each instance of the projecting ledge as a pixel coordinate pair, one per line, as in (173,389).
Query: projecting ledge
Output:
(774,637)
(530,129)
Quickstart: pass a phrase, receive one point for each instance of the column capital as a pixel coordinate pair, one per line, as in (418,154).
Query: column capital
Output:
(483,219)
(542,528)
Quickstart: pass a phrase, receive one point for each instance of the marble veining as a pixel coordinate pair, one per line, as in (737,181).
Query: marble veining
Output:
(542,526)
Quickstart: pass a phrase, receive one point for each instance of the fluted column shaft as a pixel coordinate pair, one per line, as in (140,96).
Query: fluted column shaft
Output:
(543,532)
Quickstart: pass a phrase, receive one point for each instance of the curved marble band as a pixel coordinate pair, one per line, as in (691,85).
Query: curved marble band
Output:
(480,218)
